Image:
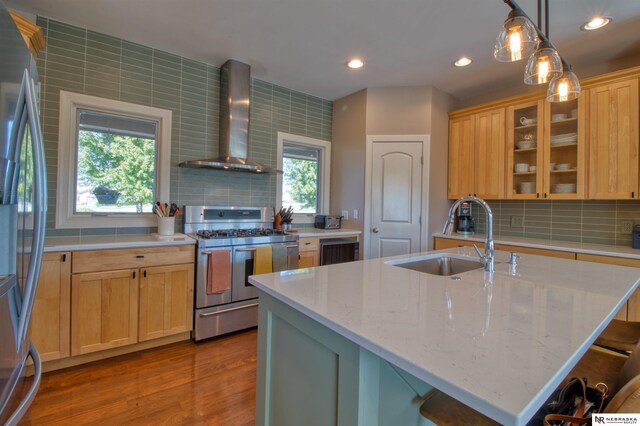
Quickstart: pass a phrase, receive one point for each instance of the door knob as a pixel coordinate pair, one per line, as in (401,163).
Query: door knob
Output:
(374,230)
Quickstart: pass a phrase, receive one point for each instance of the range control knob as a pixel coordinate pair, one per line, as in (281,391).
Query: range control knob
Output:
(220,214)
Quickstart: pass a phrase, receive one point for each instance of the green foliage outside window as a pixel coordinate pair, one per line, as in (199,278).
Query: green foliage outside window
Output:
(124,164)
(302,176)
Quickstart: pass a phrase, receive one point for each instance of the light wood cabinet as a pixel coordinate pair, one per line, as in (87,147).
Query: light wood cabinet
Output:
(613,140)
(50,320)
(525,149)
(104,310)
(166,301)
(461,156)
(489,155)
(477,155)
(309,252)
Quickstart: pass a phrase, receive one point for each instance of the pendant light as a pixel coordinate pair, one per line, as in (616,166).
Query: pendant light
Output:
(517,39)
(544,65)
(564,88)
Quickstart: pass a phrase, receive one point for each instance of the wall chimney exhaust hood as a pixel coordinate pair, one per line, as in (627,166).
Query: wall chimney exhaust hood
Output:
(235,91)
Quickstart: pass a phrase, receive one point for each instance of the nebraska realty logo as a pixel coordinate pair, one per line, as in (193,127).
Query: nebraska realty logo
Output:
(616,419)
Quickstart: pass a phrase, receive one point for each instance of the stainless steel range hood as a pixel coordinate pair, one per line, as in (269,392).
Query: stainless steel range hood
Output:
(235,91)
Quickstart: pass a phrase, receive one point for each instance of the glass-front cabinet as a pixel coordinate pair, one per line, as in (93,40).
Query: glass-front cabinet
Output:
(525,150)
(564,149)
(546,150)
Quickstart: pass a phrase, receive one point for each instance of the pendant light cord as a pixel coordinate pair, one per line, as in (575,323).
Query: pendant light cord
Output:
(546,18)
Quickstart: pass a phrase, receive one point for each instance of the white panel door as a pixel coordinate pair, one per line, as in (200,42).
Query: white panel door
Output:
(396,198)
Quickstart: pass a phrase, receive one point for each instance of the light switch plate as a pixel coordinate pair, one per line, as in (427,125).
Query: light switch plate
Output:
(517,221)
(626,226)
(355,213)
(345,214)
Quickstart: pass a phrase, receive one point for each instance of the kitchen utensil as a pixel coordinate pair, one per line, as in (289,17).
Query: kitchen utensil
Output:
(521,167)
(532,168)
(527,121)
(552,166)
(525,144)
(563,166)
(558,117)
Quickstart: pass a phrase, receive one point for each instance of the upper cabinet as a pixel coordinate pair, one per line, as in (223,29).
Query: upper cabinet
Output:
(527,148)
(477,155)
(525,160)
(613,140)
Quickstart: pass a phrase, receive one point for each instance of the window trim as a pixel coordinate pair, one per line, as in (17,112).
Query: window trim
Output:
(70,103)
(325,178)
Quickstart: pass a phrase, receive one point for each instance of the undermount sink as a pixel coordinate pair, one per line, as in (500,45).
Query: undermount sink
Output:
(443,265)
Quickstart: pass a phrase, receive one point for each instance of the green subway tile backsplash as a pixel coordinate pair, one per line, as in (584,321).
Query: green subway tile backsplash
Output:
(83,61)
(588,221)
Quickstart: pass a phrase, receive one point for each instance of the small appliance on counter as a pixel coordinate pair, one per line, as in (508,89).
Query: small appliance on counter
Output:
(464,223)
(324,221)
(635,237)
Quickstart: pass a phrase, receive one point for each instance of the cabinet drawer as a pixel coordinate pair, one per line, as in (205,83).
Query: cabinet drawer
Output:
(109,260)
(308,244)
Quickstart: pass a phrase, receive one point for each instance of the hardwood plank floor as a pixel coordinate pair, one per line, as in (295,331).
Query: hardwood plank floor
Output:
(209,383)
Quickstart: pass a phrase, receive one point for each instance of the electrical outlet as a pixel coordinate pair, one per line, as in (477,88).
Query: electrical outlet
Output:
(517,221)
(355,213)
(345,214)
(626,226)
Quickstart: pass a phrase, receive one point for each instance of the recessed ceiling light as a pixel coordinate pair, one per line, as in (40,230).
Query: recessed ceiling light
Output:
(595,23)
(354,64)
(462,62)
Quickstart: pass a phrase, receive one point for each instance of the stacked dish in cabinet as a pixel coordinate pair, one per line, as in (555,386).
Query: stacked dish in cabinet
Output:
(524,162)
(563,147)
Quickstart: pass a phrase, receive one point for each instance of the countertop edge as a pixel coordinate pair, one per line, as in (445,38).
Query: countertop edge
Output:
(596,249)
(304,233)
(101,242)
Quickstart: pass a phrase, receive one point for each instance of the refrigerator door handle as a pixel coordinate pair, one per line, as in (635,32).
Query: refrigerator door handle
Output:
(39,205)
(15,138)
(31,394)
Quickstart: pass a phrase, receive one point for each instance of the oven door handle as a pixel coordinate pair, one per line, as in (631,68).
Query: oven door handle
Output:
(228,310)
(254,248)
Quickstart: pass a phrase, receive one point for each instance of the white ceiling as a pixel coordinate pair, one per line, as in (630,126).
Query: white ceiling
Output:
(304,44)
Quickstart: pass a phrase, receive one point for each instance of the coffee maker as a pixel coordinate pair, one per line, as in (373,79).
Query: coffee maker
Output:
(464,223)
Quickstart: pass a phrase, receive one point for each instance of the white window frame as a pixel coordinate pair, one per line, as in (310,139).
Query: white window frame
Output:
(70,103)
(325,179)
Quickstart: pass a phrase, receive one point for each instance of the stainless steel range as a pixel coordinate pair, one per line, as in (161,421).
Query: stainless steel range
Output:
(228,239)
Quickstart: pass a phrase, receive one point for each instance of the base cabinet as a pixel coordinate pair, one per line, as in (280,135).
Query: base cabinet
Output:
(51,309)
(104,310)
(309,255)
(166,301)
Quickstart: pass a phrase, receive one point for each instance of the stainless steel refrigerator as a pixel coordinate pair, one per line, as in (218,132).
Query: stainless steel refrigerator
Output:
(23,198)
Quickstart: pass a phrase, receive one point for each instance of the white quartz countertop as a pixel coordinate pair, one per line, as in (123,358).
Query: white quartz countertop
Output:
(98,242)
(601,249)
(313,232)
(500,343)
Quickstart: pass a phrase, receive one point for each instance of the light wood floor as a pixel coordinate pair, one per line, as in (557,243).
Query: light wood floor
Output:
(209,383)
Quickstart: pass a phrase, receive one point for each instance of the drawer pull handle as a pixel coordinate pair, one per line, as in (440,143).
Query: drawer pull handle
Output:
(208,314)
(64,257)
(134,275)
(144,273)
(140,256)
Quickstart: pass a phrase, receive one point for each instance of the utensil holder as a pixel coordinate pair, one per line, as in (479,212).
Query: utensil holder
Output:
(166,225)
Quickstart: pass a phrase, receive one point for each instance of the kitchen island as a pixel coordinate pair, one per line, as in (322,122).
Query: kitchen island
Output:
(361,342)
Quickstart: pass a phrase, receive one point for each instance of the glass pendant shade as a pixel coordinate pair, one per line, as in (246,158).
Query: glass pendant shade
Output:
(543,66)
(517,40)
(564,88)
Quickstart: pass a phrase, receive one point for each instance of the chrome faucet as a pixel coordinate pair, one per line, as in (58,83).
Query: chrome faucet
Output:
(487,257)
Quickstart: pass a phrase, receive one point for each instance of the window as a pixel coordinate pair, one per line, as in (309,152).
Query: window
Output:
(113,162)
(305,181)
